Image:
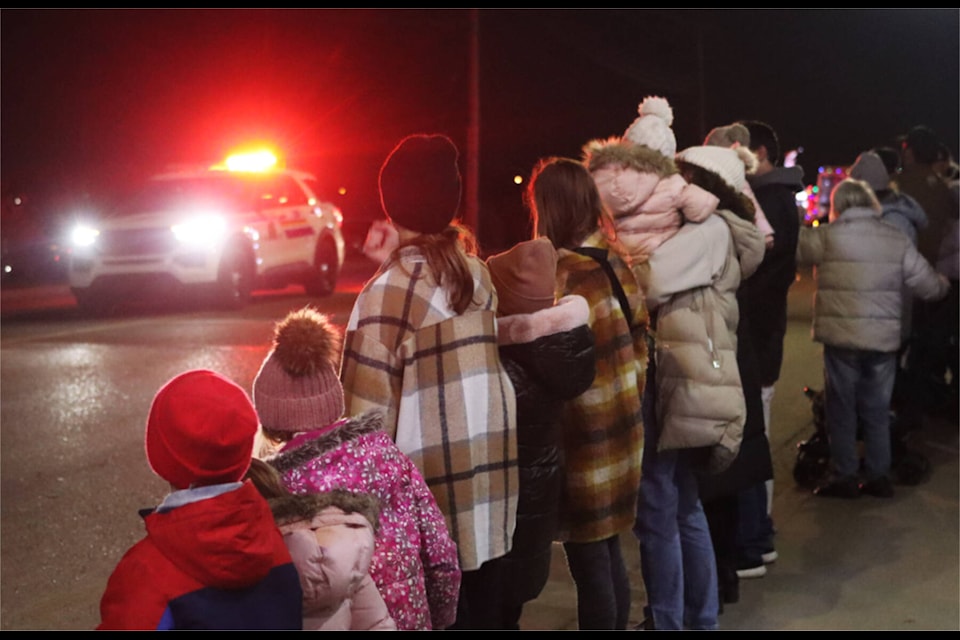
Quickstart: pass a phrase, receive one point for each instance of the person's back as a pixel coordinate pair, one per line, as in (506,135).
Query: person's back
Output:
(547,349)
(212,557)
(602,427)
(421,345)
(299,399)
(764,294)
(647,198)
(862,265)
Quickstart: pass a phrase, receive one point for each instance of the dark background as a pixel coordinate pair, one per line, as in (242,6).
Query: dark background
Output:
(94,99)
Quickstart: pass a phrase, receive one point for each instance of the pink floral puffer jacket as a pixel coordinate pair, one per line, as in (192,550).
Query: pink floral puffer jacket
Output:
(414,563)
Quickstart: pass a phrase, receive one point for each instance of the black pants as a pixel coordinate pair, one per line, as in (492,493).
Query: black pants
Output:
(480,605)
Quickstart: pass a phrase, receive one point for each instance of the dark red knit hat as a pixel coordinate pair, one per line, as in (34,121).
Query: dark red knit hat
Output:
(420,183)
(200,430)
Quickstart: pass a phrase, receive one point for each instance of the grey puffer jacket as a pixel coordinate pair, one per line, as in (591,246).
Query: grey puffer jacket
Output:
(862,265)
(692,284)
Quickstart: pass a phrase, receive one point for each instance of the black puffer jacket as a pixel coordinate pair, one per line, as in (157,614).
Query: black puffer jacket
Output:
(550,359)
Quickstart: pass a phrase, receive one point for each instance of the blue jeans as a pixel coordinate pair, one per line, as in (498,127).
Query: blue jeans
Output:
(858,386)
(603,586)
(676,552)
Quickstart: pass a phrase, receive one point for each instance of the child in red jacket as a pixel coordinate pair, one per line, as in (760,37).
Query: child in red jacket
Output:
(212,557)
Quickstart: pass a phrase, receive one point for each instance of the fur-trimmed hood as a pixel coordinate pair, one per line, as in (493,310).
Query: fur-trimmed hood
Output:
(349,429)
(294,508)
(569,312)
(598,154)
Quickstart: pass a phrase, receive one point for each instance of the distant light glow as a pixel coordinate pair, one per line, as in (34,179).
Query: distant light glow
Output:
(83,235)
(253,161)
(518,179)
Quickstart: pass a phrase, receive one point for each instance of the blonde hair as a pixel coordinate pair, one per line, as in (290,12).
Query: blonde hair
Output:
(852,193)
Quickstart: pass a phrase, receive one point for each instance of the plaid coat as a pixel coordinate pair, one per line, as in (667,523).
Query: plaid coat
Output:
(603,427)
(448,401)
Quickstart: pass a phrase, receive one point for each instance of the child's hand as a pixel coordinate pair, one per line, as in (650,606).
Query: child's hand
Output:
(382,238)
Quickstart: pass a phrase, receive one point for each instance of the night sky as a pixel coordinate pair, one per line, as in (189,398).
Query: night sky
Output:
(93,99)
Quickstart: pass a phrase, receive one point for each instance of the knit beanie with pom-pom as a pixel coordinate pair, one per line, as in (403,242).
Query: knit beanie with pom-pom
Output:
(297,388)
(652,127)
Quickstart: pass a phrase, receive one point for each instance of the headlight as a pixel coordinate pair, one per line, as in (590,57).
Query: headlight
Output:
(83,236)
(200,230)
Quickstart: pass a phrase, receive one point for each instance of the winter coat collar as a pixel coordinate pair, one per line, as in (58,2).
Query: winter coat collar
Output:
(857,213)
(292,457)
(227,541)
(569,312)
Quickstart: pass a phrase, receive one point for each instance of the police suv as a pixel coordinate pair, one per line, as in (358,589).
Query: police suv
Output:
(220,231)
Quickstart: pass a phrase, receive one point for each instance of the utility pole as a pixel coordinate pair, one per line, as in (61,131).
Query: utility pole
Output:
(472,170)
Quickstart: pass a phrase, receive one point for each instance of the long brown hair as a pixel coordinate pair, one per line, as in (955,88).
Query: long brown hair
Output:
(446,256)
(564,203)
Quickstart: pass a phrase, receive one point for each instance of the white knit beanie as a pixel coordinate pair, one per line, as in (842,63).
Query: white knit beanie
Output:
(652,128)
(725,162)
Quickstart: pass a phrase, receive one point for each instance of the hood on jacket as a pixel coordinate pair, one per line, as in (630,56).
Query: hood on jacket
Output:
(228,541)
(349,429)
(569,312)
(554,347)
(294,508)
(613,151)
(907,207)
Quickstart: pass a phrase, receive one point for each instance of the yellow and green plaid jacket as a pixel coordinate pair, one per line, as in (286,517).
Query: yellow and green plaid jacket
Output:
(603,427)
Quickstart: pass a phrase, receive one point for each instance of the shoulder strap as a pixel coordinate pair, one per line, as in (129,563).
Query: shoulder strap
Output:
(600,255)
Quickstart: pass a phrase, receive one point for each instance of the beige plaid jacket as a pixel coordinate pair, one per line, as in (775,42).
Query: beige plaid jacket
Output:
(448,401)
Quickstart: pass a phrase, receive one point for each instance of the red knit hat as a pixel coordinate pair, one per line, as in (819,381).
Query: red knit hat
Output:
(297,388)
(200,430)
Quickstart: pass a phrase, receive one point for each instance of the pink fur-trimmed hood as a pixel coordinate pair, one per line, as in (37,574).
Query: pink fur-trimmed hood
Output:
(569,313)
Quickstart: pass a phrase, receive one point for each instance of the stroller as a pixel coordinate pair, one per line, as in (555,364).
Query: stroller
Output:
(907,467)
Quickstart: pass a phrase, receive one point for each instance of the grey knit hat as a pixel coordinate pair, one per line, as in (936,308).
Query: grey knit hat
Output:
(870,168)
(297,388)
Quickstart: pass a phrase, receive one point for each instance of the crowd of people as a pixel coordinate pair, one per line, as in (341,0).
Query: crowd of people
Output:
(611,374)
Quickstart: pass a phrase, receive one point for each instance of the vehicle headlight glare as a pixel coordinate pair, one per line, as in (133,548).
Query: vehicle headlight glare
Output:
(200,230)
(84,236)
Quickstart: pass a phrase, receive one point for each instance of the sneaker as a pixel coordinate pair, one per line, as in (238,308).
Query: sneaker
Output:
(752,572)
(770,556)
(879,488)
(846,489)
